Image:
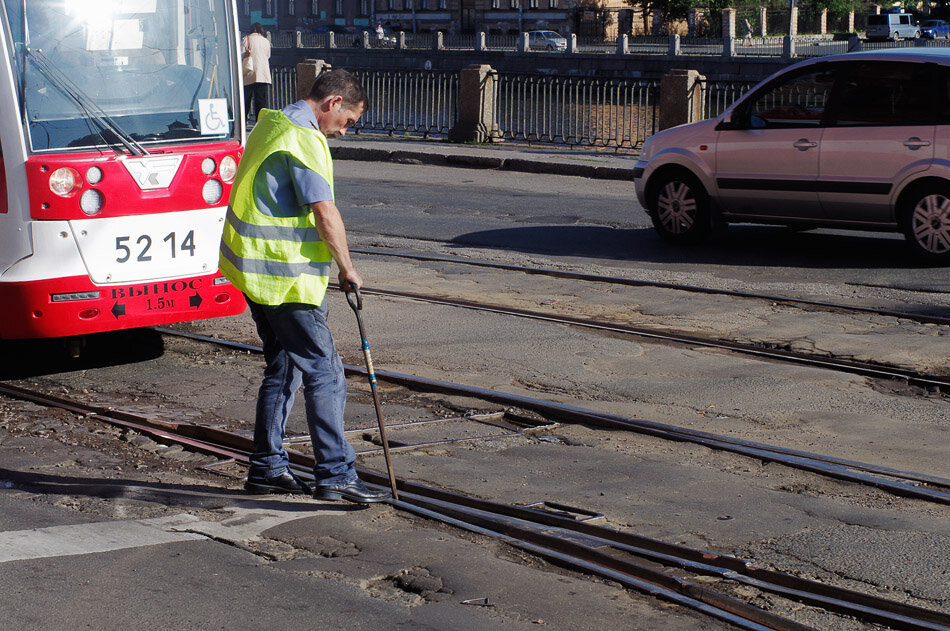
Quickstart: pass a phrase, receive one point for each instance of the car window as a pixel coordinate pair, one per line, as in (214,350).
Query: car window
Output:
(885,93)
(798,102)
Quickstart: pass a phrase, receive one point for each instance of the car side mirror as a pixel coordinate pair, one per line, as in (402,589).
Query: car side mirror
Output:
(730,121)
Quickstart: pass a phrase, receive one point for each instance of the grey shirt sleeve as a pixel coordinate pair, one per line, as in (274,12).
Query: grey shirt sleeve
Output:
(309,186)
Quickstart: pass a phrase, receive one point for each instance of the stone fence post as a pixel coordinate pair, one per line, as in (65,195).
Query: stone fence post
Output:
(307,72)
(439,41)
(728,32)
(623,44)
(477,95)
(681,98)
(788,47)
(523,45)
(674,47)
(572,43)
(480,42)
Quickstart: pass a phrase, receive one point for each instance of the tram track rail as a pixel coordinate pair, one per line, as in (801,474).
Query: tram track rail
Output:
(909,484)
(866,369)
(923,318)
(670,572)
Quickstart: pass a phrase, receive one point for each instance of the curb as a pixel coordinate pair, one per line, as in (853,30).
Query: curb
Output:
(482,162)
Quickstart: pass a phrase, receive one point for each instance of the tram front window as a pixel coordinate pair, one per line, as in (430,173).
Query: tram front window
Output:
(123,73)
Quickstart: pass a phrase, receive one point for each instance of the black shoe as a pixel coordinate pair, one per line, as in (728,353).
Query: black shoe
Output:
(354,492)
(286,482)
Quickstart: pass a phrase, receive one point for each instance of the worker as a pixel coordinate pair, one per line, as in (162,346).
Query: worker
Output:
(282,232)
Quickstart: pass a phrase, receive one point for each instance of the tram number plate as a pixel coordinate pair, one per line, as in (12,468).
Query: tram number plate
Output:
(141,248)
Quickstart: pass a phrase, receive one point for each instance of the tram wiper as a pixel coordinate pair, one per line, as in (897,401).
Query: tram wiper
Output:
(88,106)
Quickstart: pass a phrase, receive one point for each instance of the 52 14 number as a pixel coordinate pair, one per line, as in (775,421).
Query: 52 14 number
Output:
(144,243)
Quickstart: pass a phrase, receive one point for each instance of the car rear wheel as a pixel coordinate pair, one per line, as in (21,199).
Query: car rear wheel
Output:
(679,208)
(926,222)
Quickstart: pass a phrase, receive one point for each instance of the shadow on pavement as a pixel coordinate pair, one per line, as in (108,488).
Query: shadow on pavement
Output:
(749,246)
(184,495)
(20,359)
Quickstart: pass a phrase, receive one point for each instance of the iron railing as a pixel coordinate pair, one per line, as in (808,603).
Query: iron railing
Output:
(718,95)
(415,102)
(576,110)
(773,46)
(597,112)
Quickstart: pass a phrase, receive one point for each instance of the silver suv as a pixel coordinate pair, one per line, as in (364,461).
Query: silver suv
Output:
(546,40)
(859,140)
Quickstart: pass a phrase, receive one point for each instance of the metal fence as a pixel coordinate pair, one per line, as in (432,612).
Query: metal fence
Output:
(777,46)
(579,111)
(409,102)
(576,110)
(718,95)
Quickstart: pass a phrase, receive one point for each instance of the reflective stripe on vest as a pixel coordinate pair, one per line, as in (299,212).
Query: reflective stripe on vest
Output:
(276,260)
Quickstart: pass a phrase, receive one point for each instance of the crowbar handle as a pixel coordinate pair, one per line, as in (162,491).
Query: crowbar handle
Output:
(355,300)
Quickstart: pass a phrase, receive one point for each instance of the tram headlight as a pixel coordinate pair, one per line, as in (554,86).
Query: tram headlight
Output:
(207,166)
(211,191)
(228,168)
(91,201)
(64,181)
(93,175)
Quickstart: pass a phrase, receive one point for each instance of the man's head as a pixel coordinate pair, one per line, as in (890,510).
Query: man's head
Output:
(338,100)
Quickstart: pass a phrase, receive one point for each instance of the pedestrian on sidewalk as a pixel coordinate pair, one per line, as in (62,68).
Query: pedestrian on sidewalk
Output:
(282,233)
(255,52)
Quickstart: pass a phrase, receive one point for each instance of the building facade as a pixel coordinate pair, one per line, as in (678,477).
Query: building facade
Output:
(413,16)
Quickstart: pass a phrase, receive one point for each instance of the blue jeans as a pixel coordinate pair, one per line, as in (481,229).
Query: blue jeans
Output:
(298,348)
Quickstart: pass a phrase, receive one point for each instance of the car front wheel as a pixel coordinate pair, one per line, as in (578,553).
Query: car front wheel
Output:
(679,208)
(926,222)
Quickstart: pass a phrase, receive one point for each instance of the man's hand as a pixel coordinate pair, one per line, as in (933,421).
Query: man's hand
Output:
(350,279)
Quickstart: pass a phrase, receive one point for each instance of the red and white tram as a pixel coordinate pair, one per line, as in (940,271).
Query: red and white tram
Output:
(120,130)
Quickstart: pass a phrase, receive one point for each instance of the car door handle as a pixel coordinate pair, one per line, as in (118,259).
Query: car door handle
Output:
(916,143)
(803,144)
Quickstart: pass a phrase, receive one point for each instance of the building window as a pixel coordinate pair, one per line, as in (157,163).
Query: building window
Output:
(513,4)
(408,5)
(364,7)
(532,4)
(247,7)
(314,8)
(442,4)
(424,5)
(552,4)
(339,7)
(269,8)
(393,5)
(290,7)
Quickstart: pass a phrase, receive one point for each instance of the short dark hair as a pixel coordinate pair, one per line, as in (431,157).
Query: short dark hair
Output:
(340,82)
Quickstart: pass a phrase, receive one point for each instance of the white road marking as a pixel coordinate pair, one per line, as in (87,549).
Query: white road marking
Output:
(244,524)
(18,545)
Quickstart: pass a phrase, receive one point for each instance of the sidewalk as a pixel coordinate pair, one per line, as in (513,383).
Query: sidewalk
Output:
(592,162)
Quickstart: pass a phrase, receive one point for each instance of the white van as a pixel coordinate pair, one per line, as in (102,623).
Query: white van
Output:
(893,26)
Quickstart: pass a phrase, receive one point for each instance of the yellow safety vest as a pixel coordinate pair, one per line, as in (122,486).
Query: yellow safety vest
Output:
(276,260)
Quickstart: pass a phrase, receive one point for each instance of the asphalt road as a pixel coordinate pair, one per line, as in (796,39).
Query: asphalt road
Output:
(588,220)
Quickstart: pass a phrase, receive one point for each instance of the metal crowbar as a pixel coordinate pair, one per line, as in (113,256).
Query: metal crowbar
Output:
(356,302)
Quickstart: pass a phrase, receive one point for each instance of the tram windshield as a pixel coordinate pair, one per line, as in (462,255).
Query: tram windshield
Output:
(123,74)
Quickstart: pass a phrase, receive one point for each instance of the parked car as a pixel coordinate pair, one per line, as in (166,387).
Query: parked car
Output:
(932,29)
(857,140)
(892,26)
(546,40)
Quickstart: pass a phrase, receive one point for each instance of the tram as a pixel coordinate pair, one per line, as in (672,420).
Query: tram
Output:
(120,131)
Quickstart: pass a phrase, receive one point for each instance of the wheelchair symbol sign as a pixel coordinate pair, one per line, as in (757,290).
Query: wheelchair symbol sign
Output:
(214,116)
